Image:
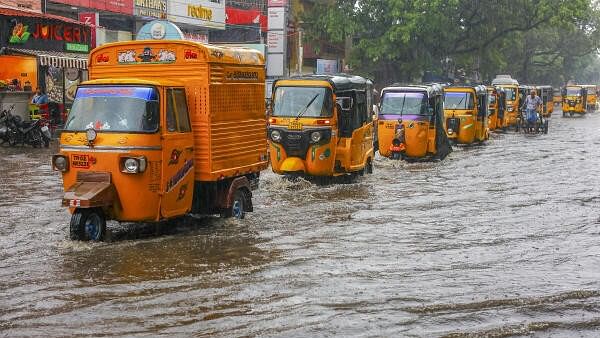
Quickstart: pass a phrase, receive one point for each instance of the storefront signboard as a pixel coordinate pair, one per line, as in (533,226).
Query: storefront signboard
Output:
(203,13)
(116,6)
(44,34)
(92,19)
(150,8)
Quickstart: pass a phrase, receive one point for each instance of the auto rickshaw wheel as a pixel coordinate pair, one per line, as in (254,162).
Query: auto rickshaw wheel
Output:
(546,127)
(571,114)
(87,224)
(238,206)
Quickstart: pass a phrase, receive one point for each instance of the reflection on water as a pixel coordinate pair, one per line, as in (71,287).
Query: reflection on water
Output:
(497,240)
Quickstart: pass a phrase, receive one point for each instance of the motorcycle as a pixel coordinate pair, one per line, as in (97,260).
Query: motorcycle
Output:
(16,131)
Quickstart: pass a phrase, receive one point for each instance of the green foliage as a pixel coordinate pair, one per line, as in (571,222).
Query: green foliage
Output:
(538,41)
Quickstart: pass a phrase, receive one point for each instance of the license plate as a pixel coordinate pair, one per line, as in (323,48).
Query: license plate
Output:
(295,125)
(80,161)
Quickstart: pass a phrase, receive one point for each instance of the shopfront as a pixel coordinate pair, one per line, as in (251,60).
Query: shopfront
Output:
(45,51)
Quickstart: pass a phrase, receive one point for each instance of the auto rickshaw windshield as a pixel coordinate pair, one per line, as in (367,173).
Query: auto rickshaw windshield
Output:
(114,109)
(458,100)
(491,100)
(573,92)
(397,103)
(303,101)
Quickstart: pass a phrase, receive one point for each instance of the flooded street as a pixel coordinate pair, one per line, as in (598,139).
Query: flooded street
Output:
(498,240)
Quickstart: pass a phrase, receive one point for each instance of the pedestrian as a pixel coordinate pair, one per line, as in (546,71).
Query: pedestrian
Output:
(39,97)
(532,103)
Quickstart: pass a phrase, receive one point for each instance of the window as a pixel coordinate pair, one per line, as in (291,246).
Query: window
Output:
(404,103)
(114,109)
(177,113)
(303,101)
(458,100)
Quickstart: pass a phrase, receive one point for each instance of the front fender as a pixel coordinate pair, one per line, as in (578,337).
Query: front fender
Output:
(90,195)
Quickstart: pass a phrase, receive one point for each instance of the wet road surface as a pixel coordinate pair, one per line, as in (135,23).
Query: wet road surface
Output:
(499,240)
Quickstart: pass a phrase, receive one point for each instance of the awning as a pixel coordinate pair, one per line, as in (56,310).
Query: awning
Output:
(54,59)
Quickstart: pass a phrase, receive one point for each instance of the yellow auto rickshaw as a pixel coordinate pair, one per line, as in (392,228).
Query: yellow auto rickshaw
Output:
(556,97)
(466,114)
(592,97)
(574,100)
(322,126)
(510,87)
(546,94)
(157,133)
(495,118)
(411,123)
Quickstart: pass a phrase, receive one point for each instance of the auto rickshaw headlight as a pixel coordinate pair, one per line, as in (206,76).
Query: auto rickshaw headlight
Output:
(133,165)
(276,135)
(315,136)
(60,163)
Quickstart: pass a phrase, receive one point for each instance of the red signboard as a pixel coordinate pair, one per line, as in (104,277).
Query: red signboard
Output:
(116,6)
(93,20)
(237,16)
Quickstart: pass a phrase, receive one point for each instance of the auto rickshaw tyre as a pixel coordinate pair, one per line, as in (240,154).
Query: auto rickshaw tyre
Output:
(571,114)
(546,127)
(87,225)
(238,206)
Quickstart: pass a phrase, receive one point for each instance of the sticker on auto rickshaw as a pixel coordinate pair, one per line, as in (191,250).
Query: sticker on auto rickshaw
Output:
(390,125)
(80,161)
(295,125)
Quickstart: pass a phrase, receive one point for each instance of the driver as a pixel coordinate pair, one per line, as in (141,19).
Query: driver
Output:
(532,104)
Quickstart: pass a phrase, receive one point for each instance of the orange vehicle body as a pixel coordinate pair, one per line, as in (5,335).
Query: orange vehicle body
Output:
(192,166)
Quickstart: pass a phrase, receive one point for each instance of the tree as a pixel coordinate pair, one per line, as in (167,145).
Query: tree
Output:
(398,40)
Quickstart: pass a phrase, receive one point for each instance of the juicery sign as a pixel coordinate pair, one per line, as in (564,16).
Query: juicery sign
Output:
(47,34)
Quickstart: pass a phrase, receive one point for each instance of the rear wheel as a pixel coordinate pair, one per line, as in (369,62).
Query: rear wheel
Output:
(238,206)
(88,225)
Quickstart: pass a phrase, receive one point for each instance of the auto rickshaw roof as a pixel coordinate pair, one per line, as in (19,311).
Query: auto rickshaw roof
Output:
(504,80)
(479,89)
(214,53)
(431,90)
(339,82)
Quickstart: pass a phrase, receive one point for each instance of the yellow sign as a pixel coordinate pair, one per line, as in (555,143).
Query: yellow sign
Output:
(199,12)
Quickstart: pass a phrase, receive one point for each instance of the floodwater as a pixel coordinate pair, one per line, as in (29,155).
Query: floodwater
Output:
(497,240)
